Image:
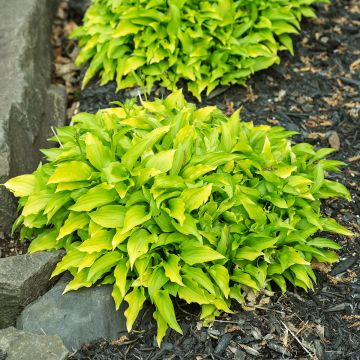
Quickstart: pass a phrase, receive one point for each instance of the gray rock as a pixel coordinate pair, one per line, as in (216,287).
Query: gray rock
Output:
(23,279)
(29,104)
(20,345)
(77,317)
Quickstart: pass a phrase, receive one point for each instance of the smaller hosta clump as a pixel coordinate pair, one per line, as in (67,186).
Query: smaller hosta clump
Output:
(163,200)
(207,43)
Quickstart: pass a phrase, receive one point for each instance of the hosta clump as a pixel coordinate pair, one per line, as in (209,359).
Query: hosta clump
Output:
(207,43)
(163,200)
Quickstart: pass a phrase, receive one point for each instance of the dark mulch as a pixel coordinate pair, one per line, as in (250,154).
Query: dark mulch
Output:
(315,93)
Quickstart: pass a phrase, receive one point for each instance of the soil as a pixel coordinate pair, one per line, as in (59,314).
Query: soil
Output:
(316,93)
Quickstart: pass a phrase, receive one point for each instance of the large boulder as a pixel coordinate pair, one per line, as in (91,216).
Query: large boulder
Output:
(23,279)
(20,345)
(77,317)
(29,103)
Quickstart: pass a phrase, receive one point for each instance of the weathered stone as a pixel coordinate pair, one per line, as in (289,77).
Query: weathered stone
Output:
(21,345)
(77,317)
(23,279)
(29,104)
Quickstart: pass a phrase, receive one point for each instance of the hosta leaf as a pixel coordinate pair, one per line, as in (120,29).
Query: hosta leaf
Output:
(324,243)
(101,240)
(75,221)
(95,197)
(22,185)
(165,307)
(45,241)
(79,281)
(162,327)
(70,171)
(103,265)
(135,300)
(194,198)
(97,153)
(200,277)
(162,161)
(109,216)
(172,269)
(134,216)
(138,244)
(195,253)
(71,259)
(36,202)
(221,277)
(120,273)
(156,281)
(248,253)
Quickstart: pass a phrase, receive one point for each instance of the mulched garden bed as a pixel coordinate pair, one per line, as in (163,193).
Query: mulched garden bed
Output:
(317,94)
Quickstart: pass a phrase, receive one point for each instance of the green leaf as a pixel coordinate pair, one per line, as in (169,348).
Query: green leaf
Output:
(195,253)
(247,253)
(324,243)
(101,240)
(172,269)
(195,197)
(162,327)
(75,221)
(134,216)
(165,307)
(221,277)
(22,185)
(70,171)
(93,198)
(79,281)
(103,265)
(120,273)
(138,245)
(97,153)
(45,241)
(109,216)
(135,300)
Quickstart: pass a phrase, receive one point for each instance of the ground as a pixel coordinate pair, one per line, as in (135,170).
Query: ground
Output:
(317,94)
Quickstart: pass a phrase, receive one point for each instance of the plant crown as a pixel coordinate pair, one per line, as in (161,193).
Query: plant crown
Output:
(163,200)
(207,43)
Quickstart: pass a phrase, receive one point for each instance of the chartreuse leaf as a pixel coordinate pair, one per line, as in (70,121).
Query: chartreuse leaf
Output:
(70,171)
(79,281)
(45,241)
(172,269)
(103,265)
(135,300)
(221,277)
(100,241)
(138,244)
(22,185)
(75,221)
(165,201)
(97,153)
(134,216)
(195,253)
(72,259)
(162,327)
(109,216)
(166,309)
(93,198)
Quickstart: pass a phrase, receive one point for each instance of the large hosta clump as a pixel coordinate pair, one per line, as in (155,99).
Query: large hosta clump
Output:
(207,43)
(163,200)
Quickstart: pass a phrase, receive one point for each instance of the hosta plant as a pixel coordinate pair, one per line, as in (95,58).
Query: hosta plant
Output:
(162,200)
(207,43)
